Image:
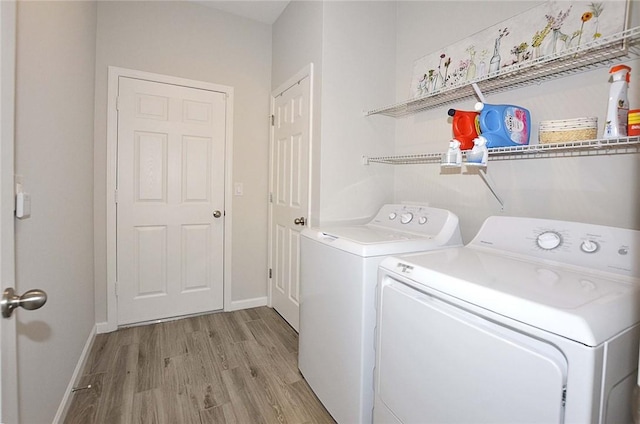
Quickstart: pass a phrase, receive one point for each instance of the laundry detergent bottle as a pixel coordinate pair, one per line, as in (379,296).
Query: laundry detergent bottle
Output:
(618,106)
(465,127)
(504,125)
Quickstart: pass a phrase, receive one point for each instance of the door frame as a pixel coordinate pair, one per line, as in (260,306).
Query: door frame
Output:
(9,411)
(112,161)
(303,73)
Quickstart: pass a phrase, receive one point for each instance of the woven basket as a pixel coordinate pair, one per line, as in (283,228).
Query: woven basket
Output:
(565,130)
(568,135)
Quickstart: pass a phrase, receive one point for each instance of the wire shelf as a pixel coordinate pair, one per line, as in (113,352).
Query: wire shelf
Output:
(589,56)
(623,145)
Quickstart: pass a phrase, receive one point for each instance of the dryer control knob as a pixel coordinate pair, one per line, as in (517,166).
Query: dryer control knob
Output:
(406,217)
(392,216)
(589,246)
(422,220)
(549,240)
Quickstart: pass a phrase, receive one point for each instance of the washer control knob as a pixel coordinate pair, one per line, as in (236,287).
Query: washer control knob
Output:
(549,240)
(392,216)
(589,246)
(406,217)
(422,220)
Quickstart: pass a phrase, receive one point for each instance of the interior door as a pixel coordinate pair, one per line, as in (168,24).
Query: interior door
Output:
(8,361)
(170,200)
(289,203)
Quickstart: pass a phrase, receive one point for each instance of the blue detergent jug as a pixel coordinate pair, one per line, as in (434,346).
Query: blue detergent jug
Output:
(504,125)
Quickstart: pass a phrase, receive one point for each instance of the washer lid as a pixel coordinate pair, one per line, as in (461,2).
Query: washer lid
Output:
(372,240)
(578,304)
(370,234)
(396,229)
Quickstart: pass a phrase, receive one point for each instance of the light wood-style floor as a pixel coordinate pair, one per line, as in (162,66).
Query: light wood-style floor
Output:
(228,367)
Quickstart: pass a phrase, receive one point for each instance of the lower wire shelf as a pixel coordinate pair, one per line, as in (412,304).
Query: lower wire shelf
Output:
(622,145)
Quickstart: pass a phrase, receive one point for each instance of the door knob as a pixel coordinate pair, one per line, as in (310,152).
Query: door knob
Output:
(217,214)
(33,299)
(299,221)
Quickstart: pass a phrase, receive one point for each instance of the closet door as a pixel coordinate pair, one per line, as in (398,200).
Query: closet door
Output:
(170,205)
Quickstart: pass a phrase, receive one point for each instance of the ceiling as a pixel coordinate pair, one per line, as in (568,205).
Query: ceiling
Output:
(266,11)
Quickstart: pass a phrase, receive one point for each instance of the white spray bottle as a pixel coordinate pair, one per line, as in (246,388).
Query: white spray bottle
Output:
(479,155)
(618,107)
(453,157)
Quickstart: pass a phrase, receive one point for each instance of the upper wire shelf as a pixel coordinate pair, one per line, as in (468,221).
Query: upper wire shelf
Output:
(569,149)
(592,55)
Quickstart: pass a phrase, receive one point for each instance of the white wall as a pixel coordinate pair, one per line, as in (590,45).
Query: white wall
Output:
(358,71)
(196,42)
(601,190)
(352,45)
(54,155)
(297,41)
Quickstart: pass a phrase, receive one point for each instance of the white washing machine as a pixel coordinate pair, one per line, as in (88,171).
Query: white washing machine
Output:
(338,276)
(534,321)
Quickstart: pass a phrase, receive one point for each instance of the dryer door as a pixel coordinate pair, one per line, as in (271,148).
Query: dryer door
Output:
(441,364)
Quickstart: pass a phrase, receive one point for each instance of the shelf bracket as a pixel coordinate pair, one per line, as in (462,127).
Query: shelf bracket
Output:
(478,92)
(489,182)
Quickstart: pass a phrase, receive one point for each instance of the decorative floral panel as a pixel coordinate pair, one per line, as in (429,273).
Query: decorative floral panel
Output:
(546,30)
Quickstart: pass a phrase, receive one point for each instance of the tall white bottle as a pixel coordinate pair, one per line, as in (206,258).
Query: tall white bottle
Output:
(618,106)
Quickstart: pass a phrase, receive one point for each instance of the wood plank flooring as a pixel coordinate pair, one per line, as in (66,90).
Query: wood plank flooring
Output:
(229,367)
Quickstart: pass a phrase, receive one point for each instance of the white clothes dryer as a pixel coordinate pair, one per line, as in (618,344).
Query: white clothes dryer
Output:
(338,276)
(534,321)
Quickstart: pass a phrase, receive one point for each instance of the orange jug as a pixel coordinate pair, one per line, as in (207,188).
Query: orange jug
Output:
(465,127)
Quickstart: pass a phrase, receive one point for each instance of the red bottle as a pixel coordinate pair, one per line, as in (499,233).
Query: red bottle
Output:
(465,127)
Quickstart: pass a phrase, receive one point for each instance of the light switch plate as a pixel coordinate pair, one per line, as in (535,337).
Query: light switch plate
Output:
(23,205)
(238,189)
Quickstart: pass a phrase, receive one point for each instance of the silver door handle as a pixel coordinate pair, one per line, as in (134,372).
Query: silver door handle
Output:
(217,214)
(33,299)
(299,221)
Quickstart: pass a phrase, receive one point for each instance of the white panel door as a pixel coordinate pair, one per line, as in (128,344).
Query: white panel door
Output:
(289,195)
(8,360)
(170,200)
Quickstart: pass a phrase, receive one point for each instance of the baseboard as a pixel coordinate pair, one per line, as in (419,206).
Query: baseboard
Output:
(75,378)
(105,327)
(236,305)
